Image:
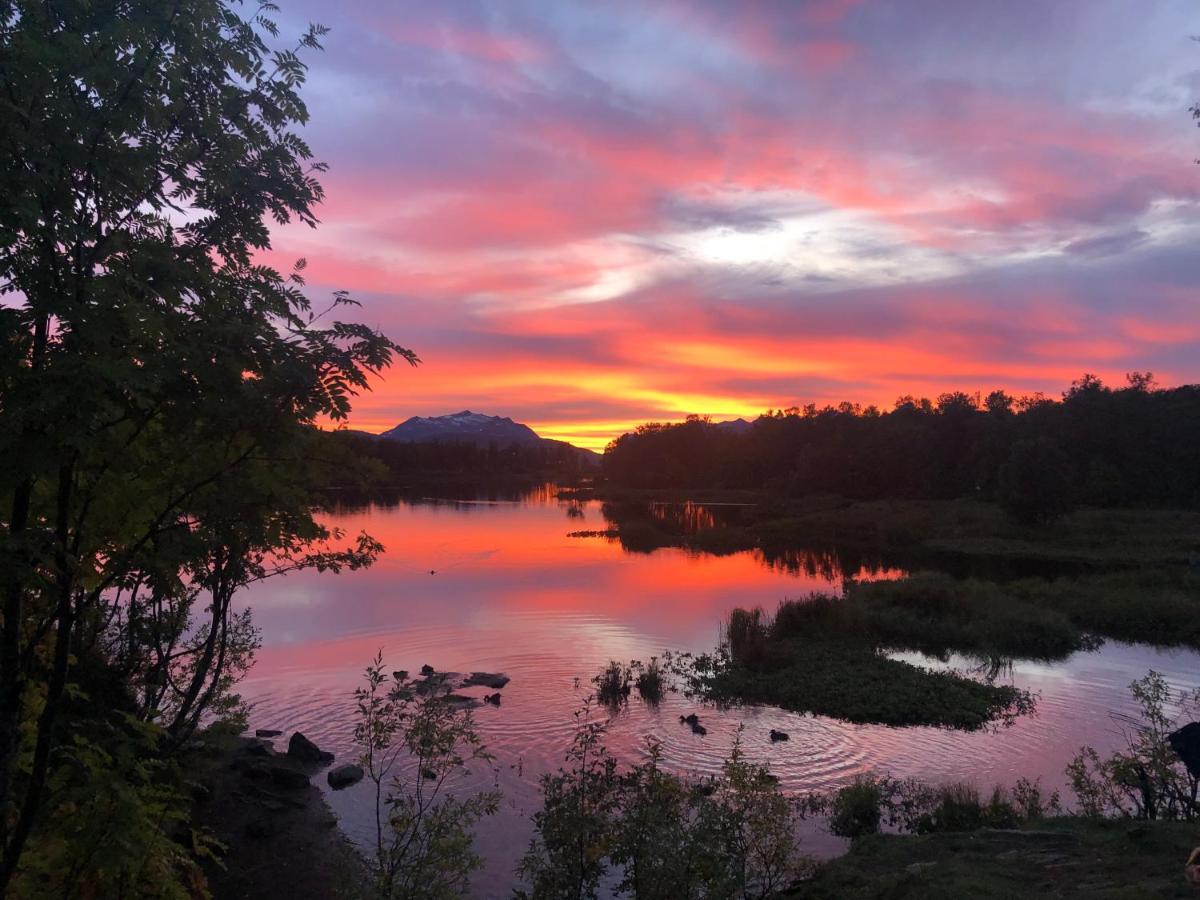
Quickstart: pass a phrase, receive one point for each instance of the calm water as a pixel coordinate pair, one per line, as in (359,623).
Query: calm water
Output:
(498,586)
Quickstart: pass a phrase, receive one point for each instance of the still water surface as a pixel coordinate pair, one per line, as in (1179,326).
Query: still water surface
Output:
(497,585)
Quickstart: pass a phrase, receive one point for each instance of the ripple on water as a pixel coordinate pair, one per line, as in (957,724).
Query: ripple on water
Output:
(526,609)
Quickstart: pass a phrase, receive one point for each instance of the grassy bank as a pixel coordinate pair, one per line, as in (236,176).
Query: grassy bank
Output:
(1064,858)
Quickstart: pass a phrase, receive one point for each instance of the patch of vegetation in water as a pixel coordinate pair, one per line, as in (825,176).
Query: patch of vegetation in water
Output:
(858,683)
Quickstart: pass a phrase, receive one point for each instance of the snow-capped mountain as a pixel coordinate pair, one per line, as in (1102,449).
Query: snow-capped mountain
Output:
(472,427)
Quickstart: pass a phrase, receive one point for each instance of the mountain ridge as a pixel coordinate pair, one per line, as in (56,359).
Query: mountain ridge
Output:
(474,428)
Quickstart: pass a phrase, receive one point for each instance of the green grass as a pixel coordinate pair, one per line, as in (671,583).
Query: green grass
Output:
(1107,860)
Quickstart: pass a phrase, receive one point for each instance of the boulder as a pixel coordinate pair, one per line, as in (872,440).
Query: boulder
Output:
(267,733)
(344,776)
(777,735)
(1186,744)
(303,750)
(493,680)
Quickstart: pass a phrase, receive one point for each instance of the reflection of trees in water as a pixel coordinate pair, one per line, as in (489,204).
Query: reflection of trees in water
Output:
(828,564)
(459,494)
(677,519)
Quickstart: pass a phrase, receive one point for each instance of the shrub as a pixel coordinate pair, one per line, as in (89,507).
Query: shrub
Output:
(1146,780)
(415,746)
(858,808)
(731,835)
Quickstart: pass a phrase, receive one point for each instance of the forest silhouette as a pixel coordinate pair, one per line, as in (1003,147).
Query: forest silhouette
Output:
(1134,445)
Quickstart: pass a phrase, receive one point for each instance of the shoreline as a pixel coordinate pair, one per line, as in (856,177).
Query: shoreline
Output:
(281,839)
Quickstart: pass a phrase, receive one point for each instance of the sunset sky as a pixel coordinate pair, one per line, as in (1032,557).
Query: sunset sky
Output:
(590,215)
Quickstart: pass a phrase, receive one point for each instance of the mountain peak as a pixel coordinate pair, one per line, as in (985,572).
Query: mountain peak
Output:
(467,427)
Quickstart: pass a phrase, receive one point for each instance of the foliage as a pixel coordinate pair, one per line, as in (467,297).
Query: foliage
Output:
(119,826)
(1146,780)
(908,805)
(657,835)
(1034,485)
(415,747)
(160,384)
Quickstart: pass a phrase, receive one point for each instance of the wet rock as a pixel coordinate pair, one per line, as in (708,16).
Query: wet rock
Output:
(267,733)
(494,680)
(303,750)
(427,669)
(777,735)
(287,778)
(344,776)
(1186,744)
(493,699)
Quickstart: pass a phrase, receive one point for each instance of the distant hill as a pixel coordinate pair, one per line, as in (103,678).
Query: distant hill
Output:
(481,430)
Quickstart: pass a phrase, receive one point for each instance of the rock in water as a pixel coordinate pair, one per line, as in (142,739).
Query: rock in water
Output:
(344,776)
(493,680)
(302,749)
(1186,743)
(267,733)
(777,735)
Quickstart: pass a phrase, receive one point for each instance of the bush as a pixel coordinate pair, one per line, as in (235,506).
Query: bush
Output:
(912,806)
(731,835)
(1146,780)
(415,746)
(857,809)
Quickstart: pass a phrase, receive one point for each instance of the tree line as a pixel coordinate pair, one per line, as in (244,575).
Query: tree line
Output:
(1097,445)
(382,463)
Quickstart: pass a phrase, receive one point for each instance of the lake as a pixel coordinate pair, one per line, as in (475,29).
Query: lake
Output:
(498,585)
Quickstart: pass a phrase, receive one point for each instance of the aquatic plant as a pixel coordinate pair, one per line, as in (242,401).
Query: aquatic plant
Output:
(650,680)
(613,684)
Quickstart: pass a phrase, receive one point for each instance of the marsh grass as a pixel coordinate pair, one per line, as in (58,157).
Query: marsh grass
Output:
(650,680)
(613,684)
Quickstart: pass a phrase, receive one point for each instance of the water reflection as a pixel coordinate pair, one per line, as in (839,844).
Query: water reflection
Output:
(493,582)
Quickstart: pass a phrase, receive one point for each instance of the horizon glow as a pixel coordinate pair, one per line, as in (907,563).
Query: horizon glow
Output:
(586,217)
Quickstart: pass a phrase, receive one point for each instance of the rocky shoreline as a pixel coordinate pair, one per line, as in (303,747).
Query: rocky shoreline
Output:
(281,840)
